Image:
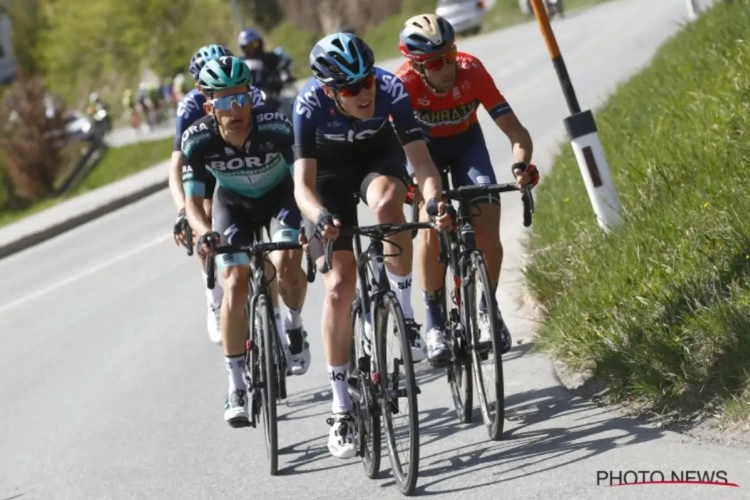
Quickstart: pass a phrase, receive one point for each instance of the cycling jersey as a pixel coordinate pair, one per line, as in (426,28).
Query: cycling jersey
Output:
(450,114)
(190,109)
(251,171)
(318,123)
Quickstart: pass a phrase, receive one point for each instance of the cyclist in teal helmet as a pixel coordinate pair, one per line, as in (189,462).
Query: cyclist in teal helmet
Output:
(249,151)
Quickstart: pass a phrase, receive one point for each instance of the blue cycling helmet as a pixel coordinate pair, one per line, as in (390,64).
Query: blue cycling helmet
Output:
(248,36)
(341,59)
(205,54)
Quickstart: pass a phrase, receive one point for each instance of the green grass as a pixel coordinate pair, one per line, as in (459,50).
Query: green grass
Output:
(660,309)
(115,164)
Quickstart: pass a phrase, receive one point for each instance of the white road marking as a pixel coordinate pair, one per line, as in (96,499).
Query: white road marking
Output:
(88,272)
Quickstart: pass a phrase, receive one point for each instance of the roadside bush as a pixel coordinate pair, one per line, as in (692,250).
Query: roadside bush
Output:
(31,141)
(661,309)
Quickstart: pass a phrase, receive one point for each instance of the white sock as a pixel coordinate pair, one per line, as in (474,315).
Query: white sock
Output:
(339,386)
(236,370)
(402,288)
(217,294)
(280,326)
(293,318)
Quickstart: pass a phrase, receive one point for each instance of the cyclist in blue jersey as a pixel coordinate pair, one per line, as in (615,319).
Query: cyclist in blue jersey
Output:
(345,145)
(249,153)
(189,110)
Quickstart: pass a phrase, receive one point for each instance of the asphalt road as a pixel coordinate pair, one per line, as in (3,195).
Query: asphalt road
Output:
(110,389)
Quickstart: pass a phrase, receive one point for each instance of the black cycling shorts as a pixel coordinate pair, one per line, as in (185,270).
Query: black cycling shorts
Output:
(344,174)
(240,220)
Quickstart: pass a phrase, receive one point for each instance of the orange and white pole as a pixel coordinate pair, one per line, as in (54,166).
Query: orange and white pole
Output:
(583,135)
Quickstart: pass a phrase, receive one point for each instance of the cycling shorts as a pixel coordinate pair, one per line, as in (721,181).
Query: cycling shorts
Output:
(240,220)
(466,158)
(344,174)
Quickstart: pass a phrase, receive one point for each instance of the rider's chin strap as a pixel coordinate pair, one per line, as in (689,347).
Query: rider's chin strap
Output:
(423,74)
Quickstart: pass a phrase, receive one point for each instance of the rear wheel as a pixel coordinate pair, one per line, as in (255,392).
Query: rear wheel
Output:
(368,418)
(398,388)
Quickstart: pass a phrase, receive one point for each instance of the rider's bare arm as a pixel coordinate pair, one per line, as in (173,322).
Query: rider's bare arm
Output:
(518,135)
(427,175)
(175,180)
(305,191)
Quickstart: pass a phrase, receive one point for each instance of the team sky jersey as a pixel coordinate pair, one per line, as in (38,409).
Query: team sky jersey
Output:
(190,110)
(451,114)
(262,163)
(317,121)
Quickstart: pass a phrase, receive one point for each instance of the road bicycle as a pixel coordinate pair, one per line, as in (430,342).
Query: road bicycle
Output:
(265,360)
(381,385)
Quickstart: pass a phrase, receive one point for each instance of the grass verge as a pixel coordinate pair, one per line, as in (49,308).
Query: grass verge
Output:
(661,309)
(115,164)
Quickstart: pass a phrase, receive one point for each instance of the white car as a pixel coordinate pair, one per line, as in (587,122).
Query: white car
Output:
(464,15)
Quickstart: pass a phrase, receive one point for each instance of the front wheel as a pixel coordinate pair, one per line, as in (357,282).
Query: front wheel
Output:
(459,371)
(266,323)
(398,391)
(485,349)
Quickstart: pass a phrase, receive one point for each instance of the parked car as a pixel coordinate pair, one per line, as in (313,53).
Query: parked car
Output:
(465,15)
(553,7)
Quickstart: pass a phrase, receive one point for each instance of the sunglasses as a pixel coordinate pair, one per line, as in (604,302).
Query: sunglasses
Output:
(354,89)
(225,103)
(437,63)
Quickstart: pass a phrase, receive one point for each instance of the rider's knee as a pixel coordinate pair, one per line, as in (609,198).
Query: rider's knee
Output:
(340,289)
(389,207)
(235,281)
(288,265)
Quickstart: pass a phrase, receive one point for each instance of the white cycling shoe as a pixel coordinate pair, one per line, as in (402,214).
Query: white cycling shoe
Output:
(342,440)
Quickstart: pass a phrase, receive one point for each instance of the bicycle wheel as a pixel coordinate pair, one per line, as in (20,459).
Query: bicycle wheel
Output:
(485,353)
(268,380)
(368,418)
(398,392)
(459,371)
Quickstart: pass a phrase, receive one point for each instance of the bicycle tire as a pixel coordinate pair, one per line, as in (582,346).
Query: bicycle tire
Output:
(494,424)
(268,382)
(459,372)
(368,420)
(388,306)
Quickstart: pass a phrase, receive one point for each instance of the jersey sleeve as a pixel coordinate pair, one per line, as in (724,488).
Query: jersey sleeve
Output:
(182,122)
(194,173)
(306,111)
(488,94)
(402,112)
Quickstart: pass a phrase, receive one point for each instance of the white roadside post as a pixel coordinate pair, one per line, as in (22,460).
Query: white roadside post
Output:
(583,135)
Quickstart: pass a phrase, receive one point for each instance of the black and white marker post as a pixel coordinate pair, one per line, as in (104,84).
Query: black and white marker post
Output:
(584,138)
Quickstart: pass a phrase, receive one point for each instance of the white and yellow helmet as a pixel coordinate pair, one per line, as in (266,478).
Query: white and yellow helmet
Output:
(426,36)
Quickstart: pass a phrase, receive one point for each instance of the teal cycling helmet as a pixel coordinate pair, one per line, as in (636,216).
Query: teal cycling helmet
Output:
(223,73)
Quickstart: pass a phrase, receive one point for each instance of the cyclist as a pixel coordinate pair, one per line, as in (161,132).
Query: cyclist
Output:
(249,152)
(265,66)
(445,88)
(189,110)
(345,146)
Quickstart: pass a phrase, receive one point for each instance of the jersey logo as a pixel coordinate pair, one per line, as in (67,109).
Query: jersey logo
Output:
(246,162)
(306,103)
(394,87)
(350,136)
(192,136)
(282,214)
(267,117)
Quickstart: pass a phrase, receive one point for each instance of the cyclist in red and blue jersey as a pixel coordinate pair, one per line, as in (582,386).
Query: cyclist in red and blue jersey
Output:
(446,88)
(189,110)
(344,146)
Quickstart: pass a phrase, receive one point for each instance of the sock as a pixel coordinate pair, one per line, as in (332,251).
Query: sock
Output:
(293,318)
(213,296)
(434,303)
(236,370)
(402,287)
(279,326)
(339,386)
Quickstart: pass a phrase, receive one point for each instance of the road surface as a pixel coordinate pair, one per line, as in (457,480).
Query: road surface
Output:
(110,389)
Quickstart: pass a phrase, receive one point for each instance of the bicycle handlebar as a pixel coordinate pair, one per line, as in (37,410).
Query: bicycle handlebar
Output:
(377,231)
(253,249)
(465,193)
